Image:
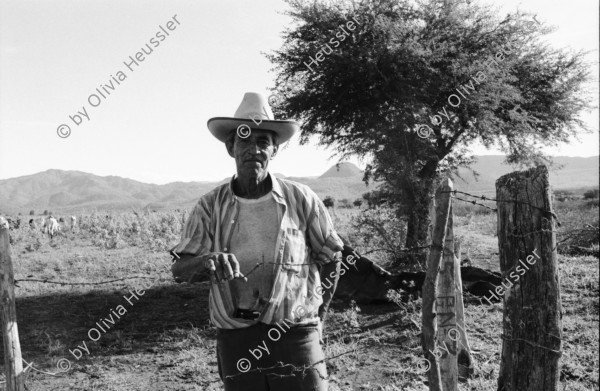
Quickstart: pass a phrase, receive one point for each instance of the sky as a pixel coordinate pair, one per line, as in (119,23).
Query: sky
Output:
(149,124)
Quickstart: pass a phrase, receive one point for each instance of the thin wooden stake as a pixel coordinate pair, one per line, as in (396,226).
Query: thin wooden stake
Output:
(440,221)
(446,313)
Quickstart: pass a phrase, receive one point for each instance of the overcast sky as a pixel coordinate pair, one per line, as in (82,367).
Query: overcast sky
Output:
(151,124)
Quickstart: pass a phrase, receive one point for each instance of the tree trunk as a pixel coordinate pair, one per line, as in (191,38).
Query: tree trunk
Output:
(418,221)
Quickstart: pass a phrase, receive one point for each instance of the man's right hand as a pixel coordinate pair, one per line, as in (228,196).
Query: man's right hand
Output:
(222,266)
(218,266)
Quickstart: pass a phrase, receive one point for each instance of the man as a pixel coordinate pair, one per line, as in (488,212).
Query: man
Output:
(261,239)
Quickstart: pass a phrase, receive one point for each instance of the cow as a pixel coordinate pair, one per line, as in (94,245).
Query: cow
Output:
(51,227)
(362,279)
(366,282)
(4,224)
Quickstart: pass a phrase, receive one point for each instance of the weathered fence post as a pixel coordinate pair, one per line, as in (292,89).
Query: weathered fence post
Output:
(13,364)
(439,221)
(532,327)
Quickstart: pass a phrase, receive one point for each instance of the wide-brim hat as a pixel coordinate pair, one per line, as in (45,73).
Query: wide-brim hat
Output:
(255,113)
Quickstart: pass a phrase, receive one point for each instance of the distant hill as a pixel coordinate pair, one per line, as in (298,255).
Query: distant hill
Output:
(58,190)
(576,172)
(343,170)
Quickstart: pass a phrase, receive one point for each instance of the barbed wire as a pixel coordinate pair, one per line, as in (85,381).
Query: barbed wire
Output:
(301,369)
(475,203)
(484,198)
(46,281)
(29,365)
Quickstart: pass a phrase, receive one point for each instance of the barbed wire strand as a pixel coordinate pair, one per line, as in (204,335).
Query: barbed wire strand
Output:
(302,369)
(484,198)
(46,281)
(30,366)
(475,203)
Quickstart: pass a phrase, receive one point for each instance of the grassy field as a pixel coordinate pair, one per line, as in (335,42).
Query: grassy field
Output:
(162,339)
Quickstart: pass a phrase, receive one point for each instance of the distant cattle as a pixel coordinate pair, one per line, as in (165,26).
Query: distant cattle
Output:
(13,224)
(51,227)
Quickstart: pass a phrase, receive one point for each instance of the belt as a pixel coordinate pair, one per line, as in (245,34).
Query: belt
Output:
(246,314)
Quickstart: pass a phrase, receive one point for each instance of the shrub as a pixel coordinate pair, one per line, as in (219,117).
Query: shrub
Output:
(378,230)
(31,212)
(329,202)
(591,194)
(357,202)
(562,195)
(375,198)
(345,203)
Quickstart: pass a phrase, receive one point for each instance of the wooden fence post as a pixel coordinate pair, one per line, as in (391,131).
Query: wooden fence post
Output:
(13,364)
(446,311)
(439,221)
(532,328)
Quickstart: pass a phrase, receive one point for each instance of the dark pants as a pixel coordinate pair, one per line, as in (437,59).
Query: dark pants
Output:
(292,350)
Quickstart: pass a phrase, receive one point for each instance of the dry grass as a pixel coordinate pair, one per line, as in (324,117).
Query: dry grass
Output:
(164,341)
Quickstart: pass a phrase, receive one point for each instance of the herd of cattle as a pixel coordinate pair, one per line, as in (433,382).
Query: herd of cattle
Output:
(48,225)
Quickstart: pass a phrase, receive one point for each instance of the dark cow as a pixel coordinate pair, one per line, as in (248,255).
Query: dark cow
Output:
(361,279)
(366,282)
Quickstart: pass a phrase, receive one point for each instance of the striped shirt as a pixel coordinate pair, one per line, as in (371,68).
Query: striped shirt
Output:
(305,237)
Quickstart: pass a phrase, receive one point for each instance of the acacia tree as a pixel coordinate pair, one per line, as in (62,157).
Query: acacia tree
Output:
(411,86)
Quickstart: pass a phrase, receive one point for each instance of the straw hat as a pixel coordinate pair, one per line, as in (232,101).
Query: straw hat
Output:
(255,112)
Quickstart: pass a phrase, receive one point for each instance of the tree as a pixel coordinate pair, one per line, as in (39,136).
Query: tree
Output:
(329,202)
(411,86)
(31,212)
(46,212)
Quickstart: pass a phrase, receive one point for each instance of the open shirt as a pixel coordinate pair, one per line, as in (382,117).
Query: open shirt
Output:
(306,237)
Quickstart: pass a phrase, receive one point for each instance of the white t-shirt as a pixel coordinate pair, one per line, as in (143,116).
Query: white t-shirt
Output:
(253,241)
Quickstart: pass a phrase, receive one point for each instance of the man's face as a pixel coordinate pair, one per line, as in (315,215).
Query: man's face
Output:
(252,154)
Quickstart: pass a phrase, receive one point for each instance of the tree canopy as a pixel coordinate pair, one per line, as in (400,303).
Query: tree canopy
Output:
(410,86)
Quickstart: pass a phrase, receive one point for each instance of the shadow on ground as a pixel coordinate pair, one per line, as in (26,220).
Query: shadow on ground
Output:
(51,325)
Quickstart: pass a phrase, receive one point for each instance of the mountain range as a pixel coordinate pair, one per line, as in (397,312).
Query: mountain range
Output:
(66,191)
